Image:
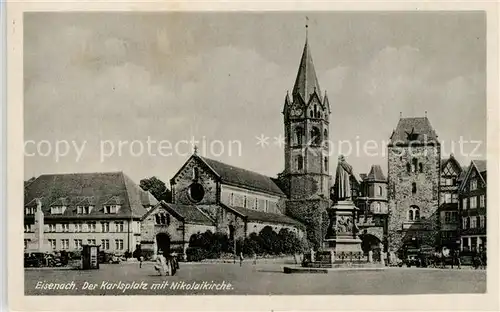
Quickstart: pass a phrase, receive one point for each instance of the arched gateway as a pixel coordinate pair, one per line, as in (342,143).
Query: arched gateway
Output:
(163,243)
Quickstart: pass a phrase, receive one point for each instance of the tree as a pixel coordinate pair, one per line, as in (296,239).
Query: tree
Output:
(156,187)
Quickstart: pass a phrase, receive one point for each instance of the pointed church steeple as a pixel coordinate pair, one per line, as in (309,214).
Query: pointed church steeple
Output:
(306,82)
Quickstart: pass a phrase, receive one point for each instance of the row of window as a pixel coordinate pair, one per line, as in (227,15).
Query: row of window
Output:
(414,166)
(162,218)
(299,163)
(78,243)
(252,203)
(471,202)
(85,210)
(315,135)
(450,216)
(447,198)
(474,222)
(79,227)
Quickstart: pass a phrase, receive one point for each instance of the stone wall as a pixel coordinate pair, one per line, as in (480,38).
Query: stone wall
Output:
(182,181)
(402,197)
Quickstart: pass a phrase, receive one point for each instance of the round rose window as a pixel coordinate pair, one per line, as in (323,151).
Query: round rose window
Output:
(196,192)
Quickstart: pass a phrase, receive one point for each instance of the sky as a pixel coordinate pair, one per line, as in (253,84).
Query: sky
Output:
(99,86)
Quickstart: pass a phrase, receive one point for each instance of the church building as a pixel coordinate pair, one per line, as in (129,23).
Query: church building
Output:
(209,194)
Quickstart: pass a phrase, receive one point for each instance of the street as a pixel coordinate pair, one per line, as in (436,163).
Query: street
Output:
(260,279)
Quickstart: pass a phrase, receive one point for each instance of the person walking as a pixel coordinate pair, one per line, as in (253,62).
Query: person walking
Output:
(241,259)
(141,259)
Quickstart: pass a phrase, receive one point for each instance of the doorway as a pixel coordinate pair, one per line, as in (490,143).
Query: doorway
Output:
(163,243)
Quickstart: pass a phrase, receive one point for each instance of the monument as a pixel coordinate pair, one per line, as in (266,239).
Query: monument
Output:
(342,236)
(39,244)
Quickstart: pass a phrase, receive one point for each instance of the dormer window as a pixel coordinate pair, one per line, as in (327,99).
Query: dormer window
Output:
(111,209)
(84,209)
(29,210)
(57,210)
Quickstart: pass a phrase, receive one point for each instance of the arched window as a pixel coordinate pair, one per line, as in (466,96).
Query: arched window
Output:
(408,167)
(299,134)
(316,113)
(245,201)
(315,136)
(325,135)
(377,207)
(414,165)
(326,163)
(420,167)
(196,173)
(414,213)
(414,188)
(311,114)
(379,189)
(231,201)
(299,162)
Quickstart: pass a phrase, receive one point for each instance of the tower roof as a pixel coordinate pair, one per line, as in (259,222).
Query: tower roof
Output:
(413,129)
(376,174)
(306,82)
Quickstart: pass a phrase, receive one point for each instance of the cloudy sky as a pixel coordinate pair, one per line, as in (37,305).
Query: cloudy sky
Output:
(96,79)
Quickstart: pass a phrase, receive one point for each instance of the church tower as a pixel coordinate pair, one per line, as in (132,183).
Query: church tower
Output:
(306,119)
(306,123)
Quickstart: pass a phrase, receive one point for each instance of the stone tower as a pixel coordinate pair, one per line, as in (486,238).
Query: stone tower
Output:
(414,155)
(306,119)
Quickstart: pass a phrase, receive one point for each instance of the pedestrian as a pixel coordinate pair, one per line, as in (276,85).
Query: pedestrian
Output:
(241,259)
(141,259)
(254,258)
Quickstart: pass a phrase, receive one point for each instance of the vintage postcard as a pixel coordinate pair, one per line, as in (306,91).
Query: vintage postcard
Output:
(296,154)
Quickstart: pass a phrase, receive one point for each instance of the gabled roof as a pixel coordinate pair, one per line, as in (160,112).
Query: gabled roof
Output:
(376,174)
(86,201)
(254,215)
(61,201)
(444,163)
(414,129)
(93,188)
(480,167)
(306,82)
(243,178)
(185,213)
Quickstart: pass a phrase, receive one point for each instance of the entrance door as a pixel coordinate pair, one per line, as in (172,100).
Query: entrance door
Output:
(163,243)
(371,242)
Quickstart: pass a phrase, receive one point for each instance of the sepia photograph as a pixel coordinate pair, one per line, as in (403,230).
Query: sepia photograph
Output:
(255,153)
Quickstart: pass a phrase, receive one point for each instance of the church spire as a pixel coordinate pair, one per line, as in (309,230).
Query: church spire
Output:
(306,82)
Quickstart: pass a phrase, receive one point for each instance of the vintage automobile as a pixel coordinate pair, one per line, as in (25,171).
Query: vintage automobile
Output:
(39,259)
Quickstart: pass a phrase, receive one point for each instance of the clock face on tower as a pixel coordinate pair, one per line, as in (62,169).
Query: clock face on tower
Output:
(296,111)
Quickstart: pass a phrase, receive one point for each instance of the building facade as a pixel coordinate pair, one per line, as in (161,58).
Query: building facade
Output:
(472,212)
(451,176)
(210,195)
(413,184)
(85,208)
(373,211)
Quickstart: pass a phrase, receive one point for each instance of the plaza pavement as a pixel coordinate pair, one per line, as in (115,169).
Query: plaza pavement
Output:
(260,279)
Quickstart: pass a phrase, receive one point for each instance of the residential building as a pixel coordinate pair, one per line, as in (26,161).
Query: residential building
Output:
(472,213)
(86,208)
(451,176)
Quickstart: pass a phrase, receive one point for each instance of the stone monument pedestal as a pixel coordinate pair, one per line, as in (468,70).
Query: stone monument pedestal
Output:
(343,239)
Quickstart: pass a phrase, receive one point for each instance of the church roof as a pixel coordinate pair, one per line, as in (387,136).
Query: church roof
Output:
(255,215)
(243,178)
(97,189)
(414,129)
(376,174)
(306,82)
(186,213)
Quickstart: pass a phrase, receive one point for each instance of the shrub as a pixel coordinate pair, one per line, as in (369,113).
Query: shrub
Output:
(195,254)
